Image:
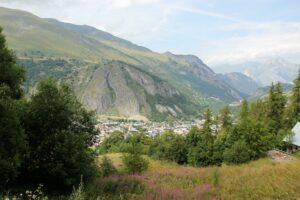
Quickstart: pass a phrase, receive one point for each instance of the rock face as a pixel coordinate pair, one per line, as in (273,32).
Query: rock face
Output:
(118,88)
(111,75)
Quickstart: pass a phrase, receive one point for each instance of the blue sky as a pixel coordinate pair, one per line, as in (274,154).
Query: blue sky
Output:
(218,31)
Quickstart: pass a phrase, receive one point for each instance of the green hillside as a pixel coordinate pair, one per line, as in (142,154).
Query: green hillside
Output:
(83,56)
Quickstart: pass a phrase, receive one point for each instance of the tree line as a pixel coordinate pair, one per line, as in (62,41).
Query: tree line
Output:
(260,126)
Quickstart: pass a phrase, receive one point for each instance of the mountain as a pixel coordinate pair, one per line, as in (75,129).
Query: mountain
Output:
(111,75)
(264,73)
(241,82)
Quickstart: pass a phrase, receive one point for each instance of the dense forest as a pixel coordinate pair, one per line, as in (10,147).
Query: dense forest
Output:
(46,138)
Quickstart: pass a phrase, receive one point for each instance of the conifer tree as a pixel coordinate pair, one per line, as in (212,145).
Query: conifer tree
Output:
(202,153)
(226,121)
(293,114)
(276,105)
(223,134)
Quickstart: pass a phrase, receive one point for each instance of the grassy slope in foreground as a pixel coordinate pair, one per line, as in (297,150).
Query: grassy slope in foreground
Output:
(262,179)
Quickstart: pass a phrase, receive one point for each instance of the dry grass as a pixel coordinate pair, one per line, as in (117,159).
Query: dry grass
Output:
(262,179)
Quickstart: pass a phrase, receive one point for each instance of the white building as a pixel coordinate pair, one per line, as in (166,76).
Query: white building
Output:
(294,138)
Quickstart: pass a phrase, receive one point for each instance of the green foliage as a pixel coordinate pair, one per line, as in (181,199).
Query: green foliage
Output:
(293,111)
(12,75)
(133,161)
(225,119)
(12,142)
(78,194)
(115,187)
(237,153)
(113,143)
(276,105)
(200,152)
(169,146)
(12,138)
(106,167)
(59,133)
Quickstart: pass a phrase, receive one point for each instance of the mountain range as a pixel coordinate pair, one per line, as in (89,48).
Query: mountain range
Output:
(275,69)
(111,75)
(114,76)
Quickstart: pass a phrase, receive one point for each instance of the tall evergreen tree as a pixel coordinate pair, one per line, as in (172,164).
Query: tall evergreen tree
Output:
(293,114)
(223,134)
(276,105)
(132,159)
(244,113)
(202,153)
(226,121)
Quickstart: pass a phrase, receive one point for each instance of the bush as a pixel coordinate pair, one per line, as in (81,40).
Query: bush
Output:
(238,153)
(169,146)
(133,161)
(113,143)
(107,168)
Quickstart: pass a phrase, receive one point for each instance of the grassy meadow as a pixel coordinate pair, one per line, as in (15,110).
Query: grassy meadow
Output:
(261,179)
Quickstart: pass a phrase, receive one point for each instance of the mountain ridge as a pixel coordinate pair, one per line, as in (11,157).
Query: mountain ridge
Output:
(80,54)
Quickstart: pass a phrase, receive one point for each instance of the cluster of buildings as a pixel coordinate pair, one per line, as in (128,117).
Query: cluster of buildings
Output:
(127,127)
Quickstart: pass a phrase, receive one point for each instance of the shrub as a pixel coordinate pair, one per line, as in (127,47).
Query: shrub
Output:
(106,167)
(133,161)
(238,153)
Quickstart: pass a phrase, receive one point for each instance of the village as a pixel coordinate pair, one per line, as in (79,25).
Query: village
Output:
(127,127)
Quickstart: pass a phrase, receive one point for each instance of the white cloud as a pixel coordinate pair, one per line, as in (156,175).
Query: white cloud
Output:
(255,40)
(127,3)
(144,21)
(207,13)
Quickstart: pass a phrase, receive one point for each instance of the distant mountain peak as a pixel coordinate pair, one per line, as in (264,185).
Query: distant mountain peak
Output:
(272,69)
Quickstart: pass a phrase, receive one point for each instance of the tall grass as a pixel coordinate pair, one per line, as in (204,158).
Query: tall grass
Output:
(262,179)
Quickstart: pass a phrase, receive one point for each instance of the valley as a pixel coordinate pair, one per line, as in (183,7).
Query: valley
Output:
(88,113)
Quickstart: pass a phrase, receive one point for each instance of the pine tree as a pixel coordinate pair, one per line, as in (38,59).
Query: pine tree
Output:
(202,153)
(132,159)
(293,114)
(226,121)
(276,106)
(244,113)
(223,134)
